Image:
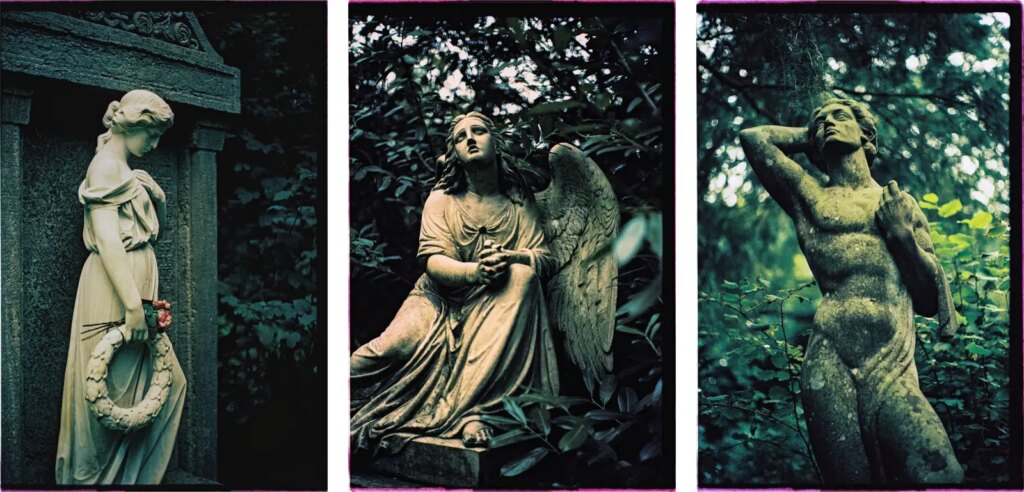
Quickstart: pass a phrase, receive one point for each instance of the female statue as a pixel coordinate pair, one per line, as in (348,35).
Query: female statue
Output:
(870,250)
(477,326)
(123,211)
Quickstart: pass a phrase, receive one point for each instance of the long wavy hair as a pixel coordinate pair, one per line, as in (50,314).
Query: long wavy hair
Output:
(138,109)
(865,119)
(517,179)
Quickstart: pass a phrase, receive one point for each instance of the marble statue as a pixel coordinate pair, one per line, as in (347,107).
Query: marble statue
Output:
(871,253)
(123,212)
(510,252)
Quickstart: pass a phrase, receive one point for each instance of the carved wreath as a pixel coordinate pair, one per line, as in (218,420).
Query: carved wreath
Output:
(119,418)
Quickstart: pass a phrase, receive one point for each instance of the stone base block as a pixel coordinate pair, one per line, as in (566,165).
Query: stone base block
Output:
(182,477)
(444,462)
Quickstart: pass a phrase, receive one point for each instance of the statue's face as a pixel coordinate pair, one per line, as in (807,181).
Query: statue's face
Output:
(473,141)
(836,128)
(141,141)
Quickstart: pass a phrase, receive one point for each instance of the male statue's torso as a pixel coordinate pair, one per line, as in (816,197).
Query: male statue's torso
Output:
(864,301)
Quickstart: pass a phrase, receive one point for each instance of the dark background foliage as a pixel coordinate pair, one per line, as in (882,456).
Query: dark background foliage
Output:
(272,350)
(939,85)
(593,81)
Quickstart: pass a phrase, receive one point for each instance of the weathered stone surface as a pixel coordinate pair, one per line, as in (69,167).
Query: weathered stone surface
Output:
(16,106)
(61,47)
(180,477)
(445,462)
(52,257)
(74,68)
(367,479)
(478,326)
(871,253)
(196,256)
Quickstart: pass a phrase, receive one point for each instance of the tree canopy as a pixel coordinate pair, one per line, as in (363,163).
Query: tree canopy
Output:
(939,86)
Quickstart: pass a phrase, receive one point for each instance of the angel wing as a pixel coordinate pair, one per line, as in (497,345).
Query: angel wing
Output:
(580,216)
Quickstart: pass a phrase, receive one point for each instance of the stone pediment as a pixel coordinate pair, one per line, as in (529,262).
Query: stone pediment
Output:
(165,52)
(177,28)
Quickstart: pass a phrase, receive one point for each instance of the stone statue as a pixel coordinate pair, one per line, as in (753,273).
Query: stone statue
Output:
(870,250)
(123,212)
(503,265)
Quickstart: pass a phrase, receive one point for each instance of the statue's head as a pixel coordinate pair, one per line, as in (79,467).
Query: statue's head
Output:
(141,117)
(473,139)
(842,125)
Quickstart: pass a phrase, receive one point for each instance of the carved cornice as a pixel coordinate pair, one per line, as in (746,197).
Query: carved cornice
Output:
(171,27)
(82,48)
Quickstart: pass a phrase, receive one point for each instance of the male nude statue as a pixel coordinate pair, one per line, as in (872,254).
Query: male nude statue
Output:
(871,253)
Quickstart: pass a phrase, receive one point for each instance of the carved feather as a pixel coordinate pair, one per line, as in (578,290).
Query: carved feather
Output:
(580,217)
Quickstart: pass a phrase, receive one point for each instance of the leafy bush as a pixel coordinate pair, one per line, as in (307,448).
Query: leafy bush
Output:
(752,338)
(611,436)
(271,378)
(966,378)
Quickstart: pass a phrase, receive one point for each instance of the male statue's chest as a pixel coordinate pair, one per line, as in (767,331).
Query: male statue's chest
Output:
(838,210)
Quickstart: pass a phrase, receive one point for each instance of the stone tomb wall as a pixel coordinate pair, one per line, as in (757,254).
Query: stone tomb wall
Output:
(57,145)
(60,71)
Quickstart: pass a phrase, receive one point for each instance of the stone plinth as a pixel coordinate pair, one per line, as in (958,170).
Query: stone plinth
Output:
(444,462)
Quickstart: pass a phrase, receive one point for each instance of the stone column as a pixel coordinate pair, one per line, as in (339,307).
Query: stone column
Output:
(197,346)
(15,110)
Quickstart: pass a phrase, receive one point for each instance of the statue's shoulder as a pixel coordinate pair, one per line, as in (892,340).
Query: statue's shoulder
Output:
(437,199)
(105,171)
(437,204)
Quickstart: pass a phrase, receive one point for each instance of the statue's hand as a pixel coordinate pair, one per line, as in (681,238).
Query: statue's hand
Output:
(895,214)
(135,324)
(155,192)
(494,263)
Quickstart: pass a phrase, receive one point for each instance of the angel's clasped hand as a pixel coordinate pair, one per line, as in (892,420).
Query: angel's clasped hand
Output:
(494,263)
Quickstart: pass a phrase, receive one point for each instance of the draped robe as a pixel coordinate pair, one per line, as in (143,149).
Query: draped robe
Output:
(481,343)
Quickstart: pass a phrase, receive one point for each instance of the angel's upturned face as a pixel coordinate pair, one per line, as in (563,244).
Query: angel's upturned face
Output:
(473,141)
(141,141)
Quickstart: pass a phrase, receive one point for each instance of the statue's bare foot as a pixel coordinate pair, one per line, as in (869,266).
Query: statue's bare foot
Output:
(476,434)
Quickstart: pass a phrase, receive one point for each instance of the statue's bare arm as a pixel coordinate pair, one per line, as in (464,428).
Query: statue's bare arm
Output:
(452,272)
(114,258)
(768,148)
(909,240)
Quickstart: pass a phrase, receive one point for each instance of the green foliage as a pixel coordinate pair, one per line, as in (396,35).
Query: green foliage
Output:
(593,82)
(613,429)
(966,378)
(543,80)
(271,345)
(612,439)
(751,344)
(938,84)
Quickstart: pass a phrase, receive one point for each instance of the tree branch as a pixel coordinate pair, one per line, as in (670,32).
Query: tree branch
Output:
(625,64)
(744,85)
(715,36)
(740,88)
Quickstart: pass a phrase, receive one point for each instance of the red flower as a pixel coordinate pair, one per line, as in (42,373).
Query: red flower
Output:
(163,319)
(161,304)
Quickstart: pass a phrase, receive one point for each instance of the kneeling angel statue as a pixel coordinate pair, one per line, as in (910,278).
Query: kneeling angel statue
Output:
(511,253)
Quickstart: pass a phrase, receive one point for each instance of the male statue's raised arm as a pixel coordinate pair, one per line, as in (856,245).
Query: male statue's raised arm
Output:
(768,149)
(906,234)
